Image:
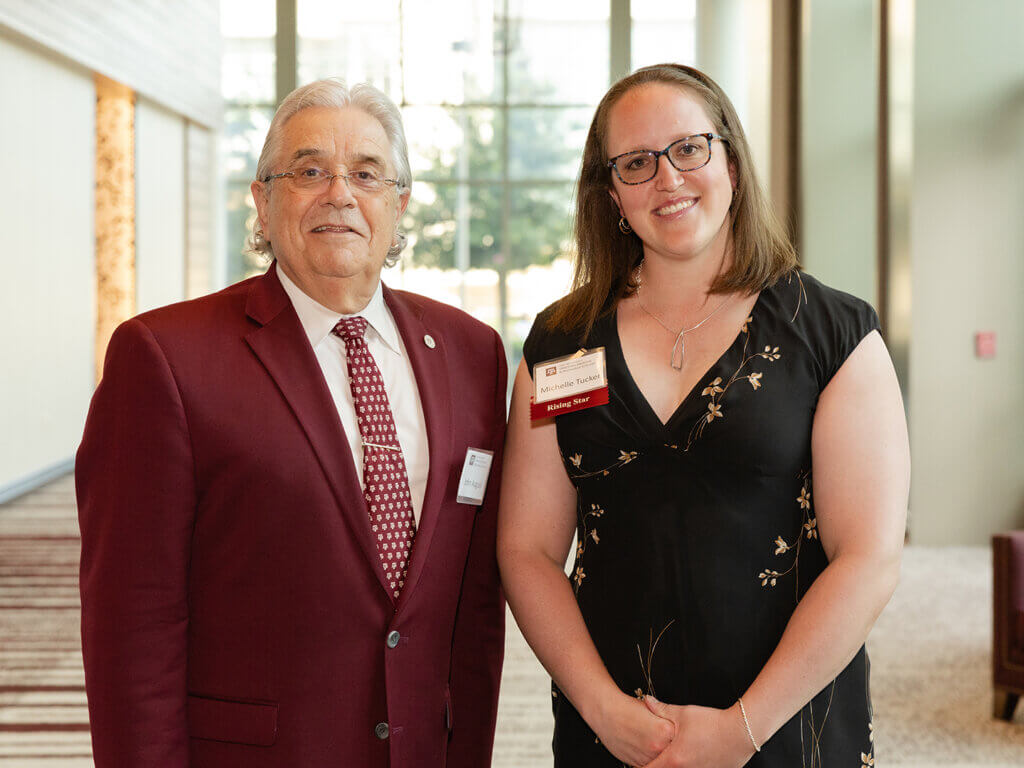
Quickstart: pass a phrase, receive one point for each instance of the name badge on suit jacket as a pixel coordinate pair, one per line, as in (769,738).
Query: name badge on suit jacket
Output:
(475,471)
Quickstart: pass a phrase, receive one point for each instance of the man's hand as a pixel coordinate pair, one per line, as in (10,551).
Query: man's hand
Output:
(704,737)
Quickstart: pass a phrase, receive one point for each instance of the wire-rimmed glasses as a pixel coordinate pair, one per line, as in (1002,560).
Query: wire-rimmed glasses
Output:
(312,180)
(686,154)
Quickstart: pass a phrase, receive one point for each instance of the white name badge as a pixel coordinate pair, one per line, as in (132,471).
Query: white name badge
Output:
(475,471)
(568,384)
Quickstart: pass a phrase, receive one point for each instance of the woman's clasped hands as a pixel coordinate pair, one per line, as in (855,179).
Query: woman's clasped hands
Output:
(630,731)
(653,734)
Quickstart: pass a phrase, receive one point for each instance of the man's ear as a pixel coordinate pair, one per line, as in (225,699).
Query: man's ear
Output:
(403,203)
(259,197)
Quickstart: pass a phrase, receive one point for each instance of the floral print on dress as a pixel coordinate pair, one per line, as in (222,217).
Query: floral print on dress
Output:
(769,577)
(576,461)
(584,535)
(810,748)
(647,662)
(716,389)
(867,759)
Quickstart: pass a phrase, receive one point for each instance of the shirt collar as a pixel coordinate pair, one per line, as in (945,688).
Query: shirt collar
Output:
(318,321)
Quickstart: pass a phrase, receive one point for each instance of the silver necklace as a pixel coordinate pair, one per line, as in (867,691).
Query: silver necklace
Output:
(676,360)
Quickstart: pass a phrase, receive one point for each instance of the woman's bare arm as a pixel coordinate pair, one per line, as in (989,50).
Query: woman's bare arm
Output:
(536,524)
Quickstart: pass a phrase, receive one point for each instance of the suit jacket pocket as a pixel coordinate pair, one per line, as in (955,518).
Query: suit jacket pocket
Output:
(232,720)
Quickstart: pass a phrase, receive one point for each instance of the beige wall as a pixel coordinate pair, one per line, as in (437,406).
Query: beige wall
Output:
(166,50)
(166,53)
(967,257)
(159,206)
(838,144)
(47,293)
(201,205)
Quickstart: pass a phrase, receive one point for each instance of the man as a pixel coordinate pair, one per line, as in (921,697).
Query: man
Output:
(287,525)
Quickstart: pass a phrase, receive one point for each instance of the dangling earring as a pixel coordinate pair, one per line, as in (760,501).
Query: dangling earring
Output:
(624,227)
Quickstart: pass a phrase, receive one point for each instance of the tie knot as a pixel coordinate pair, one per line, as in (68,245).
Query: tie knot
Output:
(351,328)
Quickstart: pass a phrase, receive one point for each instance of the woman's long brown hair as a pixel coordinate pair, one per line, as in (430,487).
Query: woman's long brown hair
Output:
(606,258)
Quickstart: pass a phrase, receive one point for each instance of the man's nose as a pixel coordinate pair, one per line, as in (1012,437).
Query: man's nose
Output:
(339,192)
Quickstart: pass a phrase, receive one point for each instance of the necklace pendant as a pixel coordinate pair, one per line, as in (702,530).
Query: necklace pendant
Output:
(678,350)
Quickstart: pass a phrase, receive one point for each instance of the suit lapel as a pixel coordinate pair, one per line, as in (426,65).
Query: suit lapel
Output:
(430,366)
(281,345)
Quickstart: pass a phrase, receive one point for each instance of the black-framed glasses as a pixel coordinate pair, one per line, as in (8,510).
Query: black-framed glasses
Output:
(312,180)
(686,154)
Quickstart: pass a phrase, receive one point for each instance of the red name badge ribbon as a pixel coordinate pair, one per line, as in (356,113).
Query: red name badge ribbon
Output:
(568,384)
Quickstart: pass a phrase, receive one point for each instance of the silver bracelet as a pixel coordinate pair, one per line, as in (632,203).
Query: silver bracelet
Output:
(746,724)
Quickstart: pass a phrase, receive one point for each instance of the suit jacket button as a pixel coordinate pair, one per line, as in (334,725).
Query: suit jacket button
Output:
(381,731)
(393,638)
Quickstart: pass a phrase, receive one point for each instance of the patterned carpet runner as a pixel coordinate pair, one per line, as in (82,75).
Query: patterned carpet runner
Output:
(43,716)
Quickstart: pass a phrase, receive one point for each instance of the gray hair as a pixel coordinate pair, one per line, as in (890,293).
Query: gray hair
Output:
(331,92)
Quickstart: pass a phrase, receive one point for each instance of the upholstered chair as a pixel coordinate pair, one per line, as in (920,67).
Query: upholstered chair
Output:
(1008,622)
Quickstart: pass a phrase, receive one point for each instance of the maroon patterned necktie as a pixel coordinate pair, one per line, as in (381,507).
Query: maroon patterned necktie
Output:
(385,481)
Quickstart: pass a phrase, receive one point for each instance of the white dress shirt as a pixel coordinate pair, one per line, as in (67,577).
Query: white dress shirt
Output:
(388,350)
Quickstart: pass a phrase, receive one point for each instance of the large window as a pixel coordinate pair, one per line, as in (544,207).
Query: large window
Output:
(497,97)
(247,72)
(663,32)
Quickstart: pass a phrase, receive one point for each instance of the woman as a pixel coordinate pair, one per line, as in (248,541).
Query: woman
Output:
(718,603)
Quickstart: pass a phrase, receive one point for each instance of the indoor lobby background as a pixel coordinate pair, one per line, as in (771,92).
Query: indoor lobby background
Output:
(890,134)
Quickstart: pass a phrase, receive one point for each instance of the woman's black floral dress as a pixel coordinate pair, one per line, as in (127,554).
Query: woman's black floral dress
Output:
(697,538)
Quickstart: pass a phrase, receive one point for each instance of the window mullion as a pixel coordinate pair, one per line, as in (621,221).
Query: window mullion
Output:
(286,49)
(506,191)
(620,40)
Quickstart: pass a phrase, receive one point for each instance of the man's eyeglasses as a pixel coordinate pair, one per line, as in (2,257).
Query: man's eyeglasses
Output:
(686,154)
(315,181)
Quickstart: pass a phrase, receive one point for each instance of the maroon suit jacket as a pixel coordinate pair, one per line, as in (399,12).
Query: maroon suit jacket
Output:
(233,606)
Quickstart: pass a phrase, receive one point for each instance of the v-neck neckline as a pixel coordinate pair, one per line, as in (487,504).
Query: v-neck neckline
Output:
(638,395)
